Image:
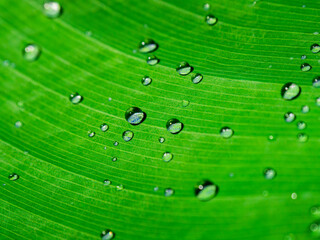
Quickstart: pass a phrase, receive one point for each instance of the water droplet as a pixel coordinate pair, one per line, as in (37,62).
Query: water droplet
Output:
(206,190)
(196,78)
(301,125)
(316,82)
(91,133)
(146,81)
(174,126)
(315,211)
(294,196)
(116,143)
(88,33)
(120,187)
(153,60)
(315,229)
(104,127)
(318,101)
(315,48)
(305,67)
(290,91)
(271,138)
(168,192)
(305,109)
(52,9)
(127,135)
(226,132)
(75,98)
(206,6)
(135,115)
(148,46)
(107,234)
(167,157)
(289,117)
(161,139)
(13,177)
(106,182)
(211,20)
(185,103)
(18,124)
(31,52)
(302,137)
(184,68)
(114,159)
(303,57)
(269,173)
(156,189)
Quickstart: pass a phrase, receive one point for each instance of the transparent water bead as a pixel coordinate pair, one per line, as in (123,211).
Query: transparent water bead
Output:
(13,177)
(116,143)
(104,127)
(31,52)
(146,81)
(153,60)
(206,190)
(167,157)
(75,98)
(161,139)
(305,109)
(294,196)
(107,234)
(174,126)
(148,46)
(91,134)
(302,137)
(114,159)
(315,48)
(18,124)
(315,229)
(120,187)
(316,82)
(206,6)
(226,132)
(52,9)
(269,173)
(211,20)
(303,57)
(196,78)
(289,117)
(271,138)
(185,103)
(106,182)
(127,135)
(168,192)
(305,67)
(315,211)
(135,116)
(184,68)
(318,101)
(301,125)
(290,91)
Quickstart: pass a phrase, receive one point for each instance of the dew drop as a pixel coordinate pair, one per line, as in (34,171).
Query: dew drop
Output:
(127,135)
(135,116)
(91,133)
(52,9)
(120,187)
(18,124)
(305,67)
(315,229)
(185,103)
(167,157)
(290,91)
(168,192)
(305,109)
(302,137)
(116,143)
(31,52)
(107,234)
(318,101)
(104,127)
(153,60)
(148,46)
(271,138)
(316,82)
(161,139)
(75,98)
(315,48)
(315,211)
(226,132)
(196,78)
(106,182)
(156,189)
(289,117)
(184,68)
(294,196)
(211,20)
(206,6)
(303,57)
(114,159)
(146,81)
(206,190)
(174,126)
(269,173)
(301,125)
(13,177)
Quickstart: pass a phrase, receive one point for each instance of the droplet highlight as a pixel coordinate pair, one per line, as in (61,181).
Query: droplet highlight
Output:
(31,52)
(107,234)
(206,190)
(52,9)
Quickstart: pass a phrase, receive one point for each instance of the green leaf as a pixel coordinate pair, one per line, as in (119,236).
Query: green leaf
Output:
(91,49)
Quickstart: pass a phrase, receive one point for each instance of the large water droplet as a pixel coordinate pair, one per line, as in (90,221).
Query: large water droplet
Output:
(196,78)
(184,68)
(226,132)
(269,173)
(104,127)
(301,125)
(168,192)
(211,20)
(316,82)
(52,9)
(167,157)
(148,46)
(13,177)
(206,190)
(302,137)
(290,91)
(107,234)
(135,115)
(305,67)
(289,117)
(75,98)
(146,81)
(31,52)
(127,135)
(106,182)
(315,48)
(18,124)
(91,133)
(153,60)
(174,126)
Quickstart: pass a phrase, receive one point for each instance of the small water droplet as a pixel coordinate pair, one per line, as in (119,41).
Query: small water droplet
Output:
(104,127)
(116,143)
(289,236)
(120,187)
(302,137)
(290,91)
(269,173)
(168,192)
(315,48)
(91,133)
(146,81)
(318,101)
(31,52)
(156,189)
(315,211)
(13,177)
(184,68)
(303,57)
(196,78)
(271,138)
(305,109)
(114,159)
(148,46)
(206,6)
(127,135)
(109,99)
(185,103)
(107,234)
(289,117)
(305,67)
(153,60)
(301,125)
(167,157)
(75,98)
(52,9)
(211,20)
(294,196)
(316,82)
(18,124)
(106,182)
(174,126)
(226,132)
(161,139)
(135,116)
(206,190)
